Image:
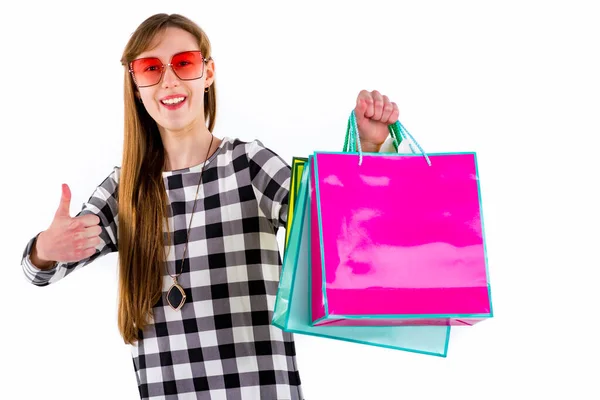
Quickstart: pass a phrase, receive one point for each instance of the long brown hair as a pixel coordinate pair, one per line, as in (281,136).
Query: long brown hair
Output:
(141,195)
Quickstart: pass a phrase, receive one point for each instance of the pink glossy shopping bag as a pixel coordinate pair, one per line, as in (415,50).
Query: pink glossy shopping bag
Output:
(397,239)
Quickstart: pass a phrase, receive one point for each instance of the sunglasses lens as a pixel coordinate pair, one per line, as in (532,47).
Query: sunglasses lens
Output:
(147,71)
(188,65)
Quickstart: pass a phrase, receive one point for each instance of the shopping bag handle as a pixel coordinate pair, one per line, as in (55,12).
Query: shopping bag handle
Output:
(397,131)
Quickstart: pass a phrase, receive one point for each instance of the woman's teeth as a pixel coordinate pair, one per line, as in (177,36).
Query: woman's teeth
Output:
(174,100)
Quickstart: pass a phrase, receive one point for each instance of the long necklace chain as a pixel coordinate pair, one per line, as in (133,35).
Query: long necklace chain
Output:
(172,296)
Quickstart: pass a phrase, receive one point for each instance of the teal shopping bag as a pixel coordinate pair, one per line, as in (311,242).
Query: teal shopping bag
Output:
(292,307)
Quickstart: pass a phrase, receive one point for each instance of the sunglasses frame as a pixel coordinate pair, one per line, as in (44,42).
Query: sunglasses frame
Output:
(170,64)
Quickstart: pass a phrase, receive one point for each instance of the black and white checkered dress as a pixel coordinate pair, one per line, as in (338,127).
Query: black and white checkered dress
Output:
(221,344)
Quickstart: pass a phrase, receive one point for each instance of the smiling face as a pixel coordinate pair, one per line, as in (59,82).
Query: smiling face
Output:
(175,98)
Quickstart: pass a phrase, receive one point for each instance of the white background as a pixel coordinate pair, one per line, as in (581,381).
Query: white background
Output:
(515,81)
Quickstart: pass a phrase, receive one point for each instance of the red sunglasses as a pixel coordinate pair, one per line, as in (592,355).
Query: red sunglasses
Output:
(148,71)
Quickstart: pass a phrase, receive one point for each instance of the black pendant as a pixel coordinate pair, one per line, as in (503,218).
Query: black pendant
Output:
(176,296)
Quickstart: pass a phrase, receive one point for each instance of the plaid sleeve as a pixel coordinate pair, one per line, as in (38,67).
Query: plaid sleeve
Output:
(102,203)
(270,176)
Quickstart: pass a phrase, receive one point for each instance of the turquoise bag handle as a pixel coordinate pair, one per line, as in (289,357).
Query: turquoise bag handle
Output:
(397,131)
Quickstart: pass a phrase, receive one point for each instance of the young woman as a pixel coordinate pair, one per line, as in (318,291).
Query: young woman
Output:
(194,219)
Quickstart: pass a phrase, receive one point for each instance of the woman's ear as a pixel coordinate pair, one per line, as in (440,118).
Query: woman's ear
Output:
(210,72)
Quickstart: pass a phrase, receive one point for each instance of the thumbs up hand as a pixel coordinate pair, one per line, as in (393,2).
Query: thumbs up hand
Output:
(68,239)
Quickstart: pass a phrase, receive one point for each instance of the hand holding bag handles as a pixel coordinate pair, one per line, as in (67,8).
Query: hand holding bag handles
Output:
(397,131)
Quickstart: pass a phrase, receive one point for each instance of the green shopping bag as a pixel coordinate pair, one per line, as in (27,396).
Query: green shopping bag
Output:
(292,311)
(297,167)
